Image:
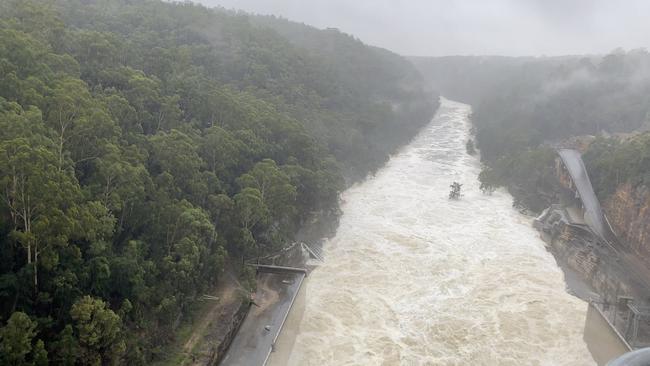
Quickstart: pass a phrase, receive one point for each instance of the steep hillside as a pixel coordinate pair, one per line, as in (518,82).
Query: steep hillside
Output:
(364,75)
(145,146)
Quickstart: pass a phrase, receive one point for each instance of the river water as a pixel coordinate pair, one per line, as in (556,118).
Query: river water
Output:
(412,278)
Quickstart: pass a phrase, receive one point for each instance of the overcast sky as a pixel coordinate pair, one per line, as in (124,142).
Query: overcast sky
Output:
(466,27)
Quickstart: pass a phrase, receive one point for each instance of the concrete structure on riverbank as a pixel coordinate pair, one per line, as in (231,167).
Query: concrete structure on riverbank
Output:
(277,289)
(603,340)
(580,237)
(580,185)
(279,285)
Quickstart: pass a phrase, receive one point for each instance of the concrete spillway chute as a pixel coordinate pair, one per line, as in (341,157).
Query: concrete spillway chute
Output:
(593,214)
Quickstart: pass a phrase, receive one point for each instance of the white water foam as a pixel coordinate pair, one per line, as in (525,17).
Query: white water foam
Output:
(413,278)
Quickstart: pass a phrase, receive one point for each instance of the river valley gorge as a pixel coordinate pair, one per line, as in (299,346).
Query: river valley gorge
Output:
(324,183)
(414,278)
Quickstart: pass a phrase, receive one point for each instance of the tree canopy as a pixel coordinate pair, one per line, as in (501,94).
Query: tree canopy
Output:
(146,145)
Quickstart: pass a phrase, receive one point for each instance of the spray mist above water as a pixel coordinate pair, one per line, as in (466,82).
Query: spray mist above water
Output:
(413,278)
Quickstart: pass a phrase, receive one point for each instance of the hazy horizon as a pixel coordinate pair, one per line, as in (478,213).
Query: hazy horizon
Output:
(444,28)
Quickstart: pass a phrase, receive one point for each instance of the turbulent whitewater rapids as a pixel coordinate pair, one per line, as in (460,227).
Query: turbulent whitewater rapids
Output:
(413,278)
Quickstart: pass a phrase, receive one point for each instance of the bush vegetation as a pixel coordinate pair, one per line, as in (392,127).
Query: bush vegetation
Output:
(145,146)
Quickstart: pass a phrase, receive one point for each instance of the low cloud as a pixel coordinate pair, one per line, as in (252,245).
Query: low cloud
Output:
(464,27)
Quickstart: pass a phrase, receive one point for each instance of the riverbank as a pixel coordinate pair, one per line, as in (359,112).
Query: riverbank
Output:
(227,309)
(413,278)
(279,300)
(405,259)
(257,335)
(601,269)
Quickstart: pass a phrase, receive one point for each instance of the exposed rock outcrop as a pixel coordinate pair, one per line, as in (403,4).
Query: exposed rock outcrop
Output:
(576,248)
(628,211)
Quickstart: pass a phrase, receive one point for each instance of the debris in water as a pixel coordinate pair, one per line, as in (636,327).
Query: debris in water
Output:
(455,191)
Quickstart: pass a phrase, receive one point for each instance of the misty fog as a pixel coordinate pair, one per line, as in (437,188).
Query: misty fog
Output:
(267,182)
(443,27)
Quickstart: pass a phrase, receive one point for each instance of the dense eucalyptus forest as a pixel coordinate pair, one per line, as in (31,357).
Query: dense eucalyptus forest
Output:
(146,147)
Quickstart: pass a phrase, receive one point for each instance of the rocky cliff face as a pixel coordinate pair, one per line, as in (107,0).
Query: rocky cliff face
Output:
(628,211)
(580,252)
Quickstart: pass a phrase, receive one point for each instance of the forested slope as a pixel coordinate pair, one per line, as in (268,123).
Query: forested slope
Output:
(374,89)
(145,145)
